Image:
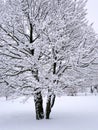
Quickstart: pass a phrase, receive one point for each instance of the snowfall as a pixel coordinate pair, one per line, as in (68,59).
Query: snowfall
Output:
(68,113)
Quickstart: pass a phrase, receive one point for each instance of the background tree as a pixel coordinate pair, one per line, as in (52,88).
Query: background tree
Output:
(72,45)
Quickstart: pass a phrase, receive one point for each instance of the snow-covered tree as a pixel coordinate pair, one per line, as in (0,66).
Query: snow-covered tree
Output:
(46,48)
(20,25)
(72,47)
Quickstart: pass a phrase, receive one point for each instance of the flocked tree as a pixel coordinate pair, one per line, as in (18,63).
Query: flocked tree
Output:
(46,48)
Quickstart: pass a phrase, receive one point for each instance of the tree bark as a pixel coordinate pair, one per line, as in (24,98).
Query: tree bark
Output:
(49,104)
(38,105)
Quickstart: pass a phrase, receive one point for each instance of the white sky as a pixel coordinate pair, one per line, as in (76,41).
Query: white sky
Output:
(92,7)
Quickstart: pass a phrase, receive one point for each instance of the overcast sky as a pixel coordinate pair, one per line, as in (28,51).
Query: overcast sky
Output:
(92,6)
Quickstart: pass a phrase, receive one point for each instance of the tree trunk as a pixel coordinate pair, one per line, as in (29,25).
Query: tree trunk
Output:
(49,104)
(39,105)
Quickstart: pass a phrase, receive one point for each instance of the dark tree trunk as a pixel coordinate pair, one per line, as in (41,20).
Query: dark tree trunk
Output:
(51,97)
(50,104)
(48,107)
(39,105)
(37,92)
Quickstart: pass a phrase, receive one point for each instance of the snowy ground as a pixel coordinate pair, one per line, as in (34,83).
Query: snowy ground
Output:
(69,113)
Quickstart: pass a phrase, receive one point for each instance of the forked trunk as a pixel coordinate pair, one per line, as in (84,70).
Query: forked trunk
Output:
(39,105)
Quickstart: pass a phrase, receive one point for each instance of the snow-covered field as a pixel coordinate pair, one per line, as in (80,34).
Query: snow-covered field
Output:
(69,113)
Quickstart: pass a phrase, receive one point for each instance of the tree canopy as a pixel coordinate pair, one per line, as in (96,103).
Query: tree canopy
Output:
(46,46)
